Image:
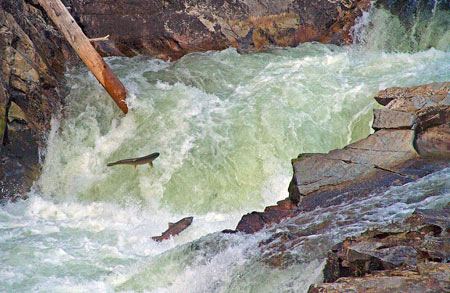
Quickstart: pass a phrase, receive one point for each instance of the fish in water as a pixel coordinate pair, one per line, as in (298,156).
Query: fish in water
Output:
(174,229)
(136,161)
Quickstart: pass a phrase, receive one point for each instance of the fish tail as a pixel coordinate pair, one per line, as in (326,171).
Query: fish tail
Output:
(111,164)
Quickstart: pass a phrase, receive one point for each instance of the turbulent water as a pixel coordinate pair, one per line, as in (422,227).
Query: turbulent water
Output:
(226,126)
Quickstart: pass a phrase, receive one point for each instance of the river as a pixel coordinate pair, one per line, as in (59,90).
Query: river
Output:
(226,126)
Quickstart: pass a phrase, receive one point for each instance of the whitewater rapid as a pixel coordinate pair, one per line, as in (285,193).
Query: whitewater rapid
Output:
(226,126)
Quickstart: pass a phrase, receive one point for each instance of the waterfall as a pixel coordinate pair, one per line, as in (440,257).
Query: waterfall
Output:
(226,126)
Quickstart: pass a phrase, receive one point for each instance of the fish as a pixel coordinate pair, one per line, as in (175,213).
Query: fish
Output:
(136,161)
(174,229)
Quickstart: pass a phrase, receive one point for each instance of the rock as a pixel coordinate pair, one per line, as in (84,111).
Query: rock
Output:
(171,29)
(33,60)
(391,119)
(414,125)
(432,129)
(255,221)
(3,113)
(411,99)
(16,114)
(378,152)
(389,157)
(397,280)
(403,256)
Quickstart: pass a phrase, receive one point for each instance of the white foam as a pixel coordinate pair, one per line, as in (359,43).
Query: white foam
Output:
(226,126)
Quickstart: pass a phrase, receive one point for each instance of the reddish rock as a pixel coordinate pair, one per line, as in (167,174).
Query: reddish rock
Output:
(171,29)
(432,139)
(255,221)
(412,98)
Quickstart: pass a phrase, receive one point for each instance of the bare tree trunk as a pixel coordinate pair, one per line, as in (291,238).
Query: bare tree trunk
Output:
(81,44)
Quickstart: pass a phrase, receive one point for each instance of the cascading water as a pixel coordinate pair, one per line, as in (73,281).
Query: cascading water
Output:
(226,126)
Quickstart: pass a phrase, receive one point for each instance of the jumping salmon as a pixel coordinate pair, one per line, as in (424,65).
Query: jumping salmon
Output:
(174,229)
(136,161)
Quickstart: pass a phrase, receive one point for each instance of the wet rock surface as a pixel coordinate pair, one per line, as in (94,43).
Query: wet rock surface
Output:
(33,56)
(410,142)
(256,221)
(412,135)
(171,29)
(412,256)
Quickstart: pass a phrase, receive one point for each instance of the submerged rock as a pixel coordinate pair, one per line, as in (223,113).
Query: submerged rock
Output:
(171,29)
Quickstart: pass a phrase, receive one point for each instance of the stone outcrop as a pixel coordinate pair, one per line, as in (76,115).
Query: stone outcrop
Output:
(412,133)
(171,29)
(256,221)
(411,140)
(33,56)
(411,256)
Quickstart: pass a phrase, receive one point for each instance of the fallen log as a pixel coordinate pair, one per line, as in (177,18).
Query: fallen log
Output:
(81,44)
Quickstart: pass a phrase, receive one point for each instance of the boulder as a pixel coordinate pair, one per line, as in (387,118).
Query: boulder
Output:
(171,29)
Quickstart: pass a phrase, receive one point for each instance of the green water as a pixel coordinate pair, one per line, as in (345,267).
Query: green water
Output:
(226,126)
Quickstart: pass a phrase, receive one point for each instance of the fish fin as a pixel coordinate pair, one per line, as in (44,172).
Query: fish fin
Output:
(150,164)
(170,225)
(134,166)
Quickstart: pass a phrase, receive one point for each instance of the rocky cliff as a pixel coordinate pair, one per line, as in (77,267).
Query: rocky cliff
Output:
(33,58)
(170,29)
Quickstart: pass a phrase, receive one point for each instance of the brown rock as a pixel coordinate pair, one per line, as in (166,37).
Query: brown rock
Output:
(432,139)
(424,237)
(255,221)
(397,280)
(32,64)
(413,98)
(339,168)
(171,29)
(391,119)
